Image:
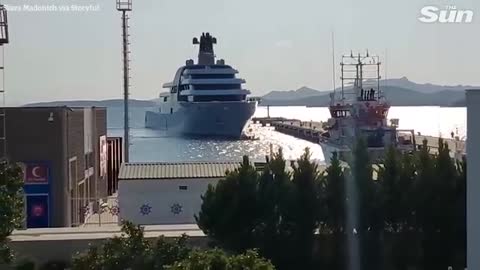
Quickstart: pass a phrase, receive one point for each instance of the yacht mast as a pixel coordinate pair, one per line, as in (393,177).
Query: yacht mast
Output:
(206,54)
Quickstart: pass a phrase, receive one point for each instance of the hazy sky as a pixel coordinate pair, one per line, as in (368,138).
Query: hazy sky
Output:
(275,44)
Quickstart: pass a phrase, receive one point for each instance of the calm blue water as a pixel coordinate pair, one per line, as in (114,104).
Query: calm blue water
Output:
(151,145)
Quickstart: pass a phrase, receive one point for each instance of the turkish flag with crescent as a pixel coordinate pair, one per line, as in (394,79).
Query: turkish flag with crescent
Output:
(36,173)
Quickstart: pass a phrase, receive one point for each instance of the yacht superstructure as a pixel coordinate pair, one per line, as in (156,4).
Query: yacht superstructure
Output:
(204,99)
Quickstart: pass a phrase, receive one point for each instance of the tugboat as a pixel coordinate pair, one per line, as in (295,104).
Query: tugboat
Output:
(360,109)
(204,99)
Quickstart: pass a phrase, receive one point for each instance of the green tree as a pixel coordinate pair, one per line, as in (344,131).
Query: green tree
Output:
(335,199)
(272,234)
(272,211)
(364,209)
(397,176)
(389,177)
(11,206)
(440,195)
(132,251)
(304,208)
(461,210)
(230,211)
(217,259)
(446,184)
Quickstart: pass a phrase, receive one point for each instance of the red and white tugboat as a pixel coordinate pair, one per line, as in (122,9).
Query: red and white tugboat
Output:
(360,109)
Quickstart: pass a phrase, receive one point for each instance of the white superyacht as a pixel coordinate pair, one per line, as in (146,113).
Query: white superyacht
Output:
(204,99)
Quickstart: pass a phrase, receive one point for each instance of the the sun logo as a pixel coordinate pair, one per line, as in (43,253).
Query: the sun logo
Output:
(433,14)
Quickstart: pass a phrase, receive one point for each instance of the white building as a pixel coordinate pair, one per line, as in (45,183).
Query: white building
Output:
(166,193)
(473,179)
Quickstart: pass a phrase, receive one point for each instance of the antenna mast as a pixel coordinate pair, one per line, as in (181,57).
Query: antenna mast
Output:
(386,66)
(124,6)
(333,61)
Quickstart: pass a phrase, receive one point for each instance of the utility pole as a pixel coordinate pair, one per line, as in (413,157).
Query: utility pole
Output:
(124,6)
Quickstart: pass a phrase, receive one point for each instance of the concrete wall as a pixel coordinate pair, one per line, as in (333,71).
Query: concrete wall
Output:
(63,250)
(159,196)
(73,159)
(473,179)
(100,130)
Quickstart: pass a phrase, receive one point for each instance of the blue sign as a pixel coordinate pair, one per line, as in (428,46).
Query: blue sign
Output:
(37,211)
(38,199)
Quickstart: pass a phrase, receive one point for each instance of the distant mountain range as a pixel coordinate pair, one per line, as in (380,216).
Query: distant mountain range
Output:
(99,103)
(400,92)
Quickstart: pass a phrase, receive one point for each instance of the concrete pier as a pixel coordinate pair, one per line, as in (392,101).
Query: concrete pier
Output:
(311,131)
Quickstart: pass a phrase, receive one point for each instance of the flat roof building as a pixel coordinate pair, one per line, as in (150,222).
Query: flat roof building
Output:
(62,151)
(166,193)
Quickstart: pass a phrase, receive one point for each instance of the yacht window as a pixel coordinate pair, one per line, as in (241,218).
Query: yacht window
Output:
(217,86)
(219,98)
(212,76)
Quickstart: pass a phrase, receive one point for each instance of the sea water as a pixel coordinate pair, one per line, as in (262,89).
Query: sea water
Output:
(152,145)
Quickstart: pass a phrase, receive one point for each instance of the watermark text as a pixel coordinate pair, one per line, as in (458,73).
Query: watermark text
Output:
(448,14)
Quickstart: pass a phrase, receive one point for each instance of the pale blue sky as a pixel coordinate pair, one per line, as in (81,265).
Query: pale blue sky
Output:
(275,44)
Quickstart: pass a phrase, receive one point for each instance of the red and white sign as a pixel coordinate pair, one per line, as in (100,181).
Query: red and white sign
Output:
(36,174)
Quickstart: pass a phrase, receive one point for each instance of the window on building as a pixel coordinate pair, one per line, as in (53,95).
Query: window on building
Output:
(183,187)
(89,161)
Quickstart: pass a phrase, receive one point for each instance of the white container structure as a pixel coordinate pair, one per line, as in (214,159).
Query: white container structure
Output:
(166,193)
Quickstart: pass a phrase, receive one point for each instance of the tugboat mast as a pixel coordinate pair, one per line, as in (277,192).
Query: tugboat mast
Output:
(360,72)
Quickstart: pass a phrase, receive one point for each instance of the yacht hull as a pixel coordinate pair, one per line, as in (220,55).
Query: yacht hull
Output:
(204,119)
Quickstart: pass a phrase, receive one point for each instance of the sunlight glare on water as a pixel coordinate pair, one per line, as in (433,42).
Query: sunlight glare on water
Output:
(151,145)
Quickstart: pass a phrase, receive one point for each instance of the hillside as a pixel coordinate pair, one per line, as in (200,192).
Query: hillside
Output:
(95,103)
(426,88)
(400,92)
(302,92)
